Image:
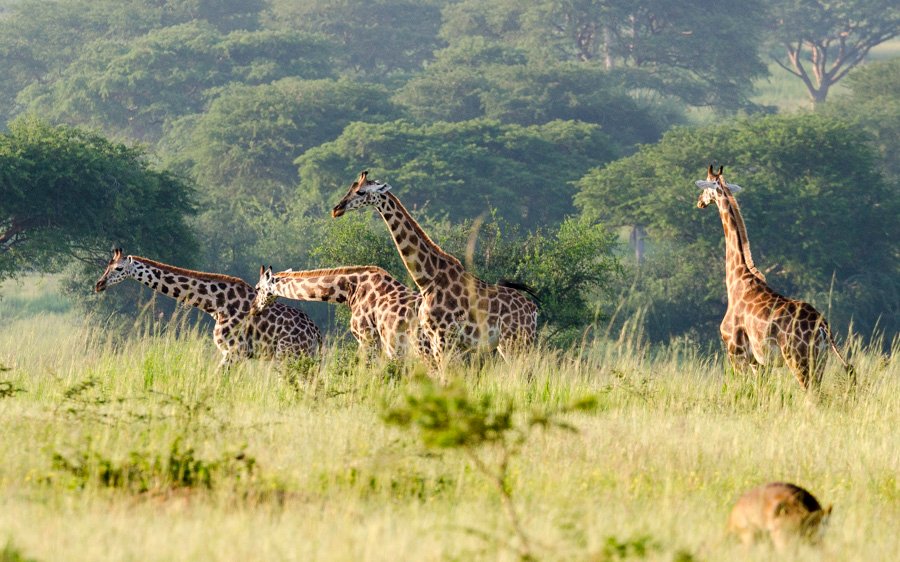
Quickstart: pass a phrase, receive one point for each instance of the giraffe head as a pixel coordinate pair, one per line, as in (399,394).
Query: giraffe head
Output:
(118,268)
(362,192)
(713,186)
(265,295)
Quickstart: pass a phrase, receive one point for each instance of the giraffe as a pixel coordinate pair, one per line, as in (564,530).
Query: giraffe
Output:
(458,310)
(280,332)
(759,323)
(383,311)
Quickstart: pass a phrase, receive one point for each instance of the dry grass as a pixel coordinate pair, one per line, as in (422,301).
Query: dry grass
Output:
(675,440)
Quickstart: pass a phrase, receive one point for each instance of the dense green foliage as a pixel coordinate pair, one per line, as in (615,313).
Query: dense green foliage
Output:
(875,105)
(134,88)
(701,52)
(463,169)
(67,195)
(573,268)
(819,214)
(271,107)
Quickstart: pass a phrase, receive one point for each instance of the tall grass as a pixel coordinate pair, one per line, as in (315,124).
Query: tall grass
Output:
(127,443)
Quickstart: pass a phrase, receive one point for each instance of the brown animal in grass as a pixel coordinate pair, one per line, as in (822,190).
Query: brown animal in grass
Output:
(784,513)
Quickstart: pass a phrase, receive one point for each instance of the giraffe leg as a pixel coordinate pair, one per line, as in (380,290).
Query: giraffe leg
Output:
(739,354)
(798,362)
(227,362)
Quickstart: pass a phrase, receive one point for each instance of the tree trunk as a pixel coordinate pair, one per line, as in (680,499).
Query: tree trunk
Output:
(636,241)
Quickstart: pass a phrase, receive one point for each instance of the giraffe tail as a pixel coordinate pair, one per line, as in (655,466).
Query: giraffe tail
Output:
(826,331)
(520,287)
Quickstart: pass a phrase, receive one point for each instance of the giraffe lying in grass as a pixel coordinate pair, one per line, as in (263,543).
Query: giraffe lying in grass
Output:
(383,311)
(279,332)
(458,310)
(762,327)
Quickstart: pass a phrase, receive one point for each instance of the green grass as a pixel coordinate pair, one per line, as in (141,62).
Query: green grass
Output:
(296,464)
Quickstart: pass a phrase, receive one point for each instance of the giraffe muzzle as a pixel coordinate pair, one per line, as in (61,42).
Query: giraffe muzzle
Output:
(100,286)
(337,211)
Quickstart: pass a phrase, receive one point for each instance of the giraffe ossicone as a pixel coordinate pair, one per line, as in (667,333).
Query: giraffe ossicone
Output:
(762,327)
(457,310)
(280,332)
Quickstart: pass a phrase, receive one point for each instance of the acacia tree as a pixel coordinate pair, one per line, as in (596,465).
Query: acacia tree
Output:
(820,42)
(67,194)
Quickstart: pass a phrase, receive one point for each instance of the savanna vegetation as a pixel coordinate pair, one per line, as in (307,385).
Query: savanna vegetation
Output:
(551,142)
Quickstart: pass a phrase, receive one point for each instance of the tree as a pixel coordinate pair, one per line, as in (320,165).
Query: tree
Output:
(817,209)
(571,267)
(820,42)
(378,37)
(873,102)
(40,38)
(241,153)
(475,78)
(133,88)
(66,194)
(704,53)
(250,135)
(464,169)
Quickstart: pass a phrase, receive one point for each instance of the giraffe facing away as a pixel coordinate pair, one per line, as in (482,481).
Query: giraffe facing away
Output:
(383,311)
(280,332)
(762,327)
(458,311)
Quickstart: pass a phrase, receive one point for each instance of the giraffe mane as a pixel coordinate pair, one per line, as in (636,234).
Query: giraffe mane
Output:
(742,232)
(332,271)
(205,276)
(421,232)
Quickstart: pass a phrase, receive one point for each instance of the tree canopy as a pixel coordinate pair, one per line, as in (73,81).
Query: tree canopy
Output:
(820,42)
(475,79)
(816,209)
(466,168)
(701,52)
(133,88)
(69,195)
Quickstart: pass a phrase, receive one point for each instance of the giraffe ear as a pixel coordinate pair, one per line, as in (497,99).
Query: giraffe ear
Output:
(710,170)
(721,169)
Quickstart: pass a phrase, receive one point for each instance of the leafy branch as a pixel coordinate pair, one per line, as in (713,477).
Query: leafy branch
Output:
(450,418)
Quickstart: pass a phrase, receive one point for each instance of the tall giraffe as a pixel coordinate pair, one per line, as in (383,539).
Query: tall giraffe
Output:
(383,311)
(458,310)
(279,332)
(759,323)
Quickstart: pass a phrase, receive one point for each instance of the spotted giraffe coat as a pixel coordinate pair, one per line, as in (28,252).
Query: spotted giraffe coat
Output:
(383,311)
(762,327)
(458,311)
(280,332)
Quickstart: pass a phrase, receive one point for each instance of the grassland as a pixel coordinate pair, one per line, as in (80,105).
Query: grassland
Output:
(128,445)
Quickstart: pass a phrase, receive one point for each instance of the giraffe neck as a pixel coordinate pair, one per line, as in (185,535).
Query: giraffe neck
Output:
(327,285)
(743,238)
(738,270)
(217,295)
(424,260)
